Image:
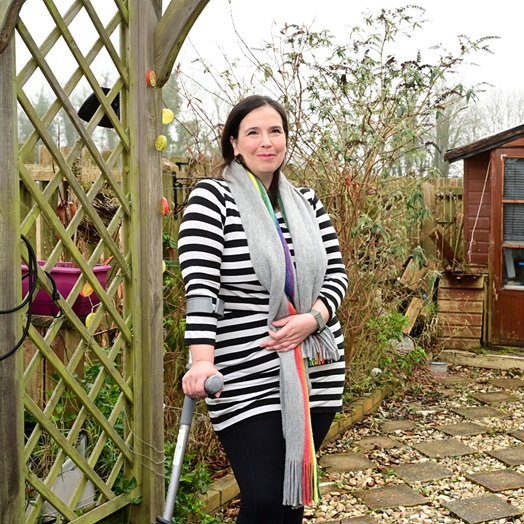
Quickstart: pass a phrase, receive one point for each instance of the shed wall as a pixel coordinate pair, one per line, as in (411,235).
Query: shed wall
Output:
(477,198)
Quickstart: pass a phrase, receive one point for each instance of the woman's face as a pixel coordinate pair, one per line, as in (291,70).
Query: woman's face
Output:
(261,142)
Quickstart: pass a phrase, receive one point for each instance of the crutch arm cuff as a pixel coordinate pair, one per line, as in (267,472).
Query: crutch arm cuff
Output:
(206,305)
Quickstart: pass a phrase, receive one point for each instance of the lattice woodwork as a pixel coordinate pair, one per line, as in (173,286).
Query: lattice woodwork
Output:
(86,388)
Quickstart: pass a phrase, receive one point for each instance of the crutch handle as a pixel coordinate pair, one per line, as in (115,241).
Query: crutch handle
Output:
(213,384)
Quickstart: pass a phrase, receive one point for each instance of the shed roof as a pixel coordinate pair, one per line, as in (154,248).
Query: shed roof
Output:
(484,144)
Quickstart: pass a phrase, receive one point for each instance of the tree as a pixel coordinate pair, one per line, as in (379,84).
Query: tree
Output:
(497,110)
(362,123)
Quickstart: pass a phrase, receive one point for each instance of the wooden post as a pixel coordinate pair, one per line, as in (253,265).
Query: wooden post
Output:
(11,411)
(143,115)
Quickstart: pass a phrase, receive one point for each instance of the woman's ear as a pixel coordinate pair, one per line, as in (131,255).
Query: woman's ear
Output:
(234,144)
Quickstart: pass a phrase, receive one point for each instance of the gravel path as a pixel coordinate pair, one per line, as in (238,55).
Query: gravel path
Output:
(431,408)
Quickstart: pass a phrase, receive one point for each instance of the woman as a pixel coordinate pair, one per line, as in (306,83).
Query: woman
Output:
(271,254)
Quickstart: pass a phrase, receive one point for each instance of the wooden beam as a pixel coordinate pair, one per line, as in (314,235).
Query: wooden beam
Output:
(143,236)
(9,11)
(11,372)
(171,32)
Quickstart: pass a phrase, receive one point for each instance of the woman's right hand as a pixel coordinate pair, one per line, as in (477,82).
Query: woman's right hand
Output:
(193,381)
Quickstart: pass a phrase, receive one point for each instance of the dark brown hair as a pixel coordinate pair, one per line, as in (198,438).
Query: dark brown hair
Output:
(232,126)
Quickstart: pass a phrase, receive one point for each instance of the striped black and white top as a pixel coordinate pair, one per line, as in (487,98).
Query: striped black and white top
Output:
(215,262)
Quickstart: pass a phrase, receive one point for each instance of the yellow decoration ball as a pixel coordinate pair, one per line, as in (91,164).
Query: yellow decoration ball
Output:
(89,319)
(164,267)
(161,142)
(167,116)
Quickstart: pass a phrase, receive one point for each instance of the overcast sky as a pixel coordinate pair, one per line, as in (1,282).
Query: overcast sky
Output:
(257,20)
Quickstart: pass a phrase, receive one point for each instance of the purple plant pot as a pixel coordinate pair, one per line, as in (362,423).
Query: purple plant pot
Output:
(65,275)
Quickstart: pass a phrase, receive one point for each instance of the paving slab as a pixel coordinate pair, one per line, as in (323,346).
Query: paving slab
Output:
(510,456)
(391,497)
(356,520)
(444,448)
(422,472)
(415,406)
(518,434)
(346,462)
(500,480)
(447,392)
(507,382)
(480,412)
(495,397)
(450,380)
(371,443)
(398,425)
(482,509)
(464,429)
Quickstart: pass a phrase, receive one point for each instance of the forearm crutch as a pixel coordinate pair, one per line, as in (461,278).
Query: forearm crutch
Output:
(212,385)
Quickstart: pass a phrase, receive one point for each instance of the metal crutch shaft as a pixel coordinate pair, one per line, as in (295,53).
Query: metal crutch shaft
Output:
(212,385)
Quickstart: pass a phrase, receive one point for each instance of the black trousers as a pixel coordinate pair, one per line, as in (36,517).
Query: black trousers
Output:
(256,451)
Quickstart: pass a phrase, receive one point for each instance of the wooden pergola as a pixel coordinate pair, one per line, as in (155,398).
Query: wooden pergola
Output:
(133,359)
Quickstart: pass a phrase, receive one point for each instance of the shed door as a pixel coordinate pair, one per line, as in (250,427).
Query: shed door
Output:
(507,260)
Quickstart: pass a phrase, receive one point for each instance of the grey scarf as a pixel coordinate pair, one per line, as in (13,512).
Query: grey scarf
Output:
(268,260)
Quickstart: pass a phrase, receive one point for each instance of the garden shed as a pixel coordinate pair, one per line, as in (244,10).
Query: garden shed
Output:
(493,232)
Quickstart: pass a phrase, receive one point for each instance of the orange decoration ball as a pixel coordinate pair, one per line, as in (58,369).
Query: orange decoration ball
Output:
(151,78)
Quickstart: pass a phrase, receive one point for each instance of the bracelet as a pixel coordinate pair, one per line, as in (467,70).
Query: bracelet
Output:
(321,323)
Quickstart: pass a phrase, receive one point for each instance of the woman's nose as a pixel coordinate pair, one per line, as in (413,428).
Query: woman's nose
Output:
(265,140)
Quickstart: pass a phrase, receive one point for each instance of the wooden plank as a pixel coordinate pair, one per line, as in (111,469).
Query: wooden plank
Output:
(461,281)
(447,183)
(9,11)
(460,319)
(412,313)
(450,306)
(460,295)
(457,343)
(171,32)
(11,371)
(413,276)
(444,247)
(460,332)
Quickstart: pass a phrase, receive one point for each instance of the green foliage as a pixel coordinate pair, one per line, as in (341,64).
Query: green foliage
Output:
(386,328)
(194,479)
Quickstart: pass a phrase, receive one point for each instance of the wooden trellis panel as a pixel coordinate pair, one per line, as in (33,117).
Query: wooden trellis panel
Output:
(103,379)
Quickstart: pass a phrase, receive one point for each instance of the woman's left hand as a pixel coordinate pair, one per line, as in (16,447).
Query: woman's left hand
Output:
(294,329)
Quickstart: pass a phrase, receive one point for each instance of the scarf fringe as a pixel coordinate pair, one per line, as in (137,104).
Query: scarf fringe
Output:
(300,484)
(320,348)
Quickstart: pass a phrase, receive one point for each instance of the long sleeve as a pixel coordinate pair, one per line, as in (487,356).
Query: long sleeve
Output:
(200,249)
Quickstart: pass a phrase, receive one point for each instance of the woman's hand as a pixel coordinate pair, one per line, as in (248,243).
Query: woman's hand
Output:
(294,330)
(193,381)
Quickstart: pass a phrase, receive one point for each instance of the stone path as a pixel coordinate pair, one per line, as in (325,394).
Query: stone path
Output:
(452,454)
